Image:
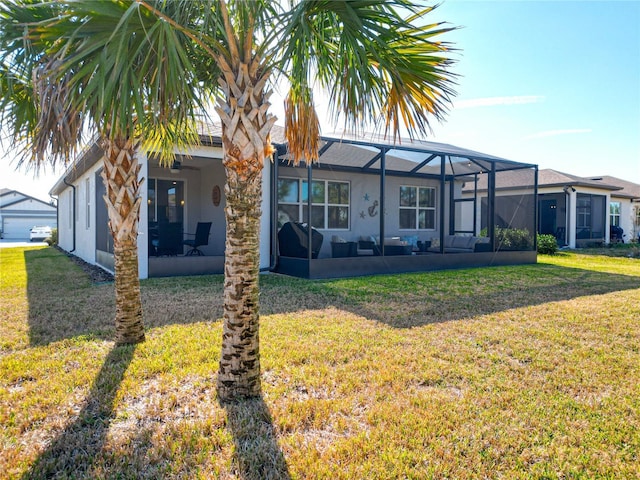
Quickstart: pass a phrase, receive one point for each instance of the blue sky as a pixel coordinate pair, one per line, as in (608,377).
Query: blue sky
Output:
(548,82)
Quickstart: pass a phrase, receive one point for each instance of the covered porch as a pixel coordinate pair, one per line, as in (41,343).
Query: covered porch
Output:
(185,204)
(382,208)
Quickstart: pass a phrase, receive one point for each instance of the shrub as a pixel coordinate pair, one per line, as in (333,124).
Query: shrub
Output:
(511,238)
(53,239)
(547,244)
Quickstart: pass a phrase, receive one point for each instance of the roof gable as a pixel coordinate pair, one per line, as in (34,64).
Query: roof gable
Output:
(20,197)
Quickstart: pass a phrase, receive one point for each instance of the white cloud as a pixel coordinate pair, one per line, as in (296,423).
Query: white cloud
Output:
(554,133)
(496,101)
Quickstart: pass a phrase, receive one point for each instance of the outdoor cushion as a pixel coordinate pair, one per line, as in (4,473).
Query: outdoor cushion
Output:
(411,240)
(457,243)
(394,241)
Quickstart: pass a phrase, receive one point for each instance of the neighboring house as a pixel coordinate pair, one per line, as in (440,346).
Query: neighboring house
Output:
(624,206)
(579,211)
(20,212)
(411,226)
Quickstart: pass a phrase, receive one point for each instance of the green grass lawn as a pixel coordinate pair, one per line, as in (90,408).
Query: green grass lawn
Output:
(508,372)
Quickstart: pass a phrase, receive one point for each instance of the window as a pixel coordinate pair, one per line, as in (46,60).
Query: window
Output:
(329,203)
(591,216)
(165,201)
(87,196)
(417,208)
(583,208)
(614,213)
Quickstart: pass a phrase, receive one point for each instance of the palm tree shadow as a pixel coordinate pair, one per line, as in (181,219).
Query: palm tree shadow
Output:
(73,452)
(257,454)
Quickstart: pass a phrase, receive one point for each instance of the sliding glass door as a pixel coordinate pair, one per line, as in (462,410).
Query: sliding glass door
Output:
(165,206)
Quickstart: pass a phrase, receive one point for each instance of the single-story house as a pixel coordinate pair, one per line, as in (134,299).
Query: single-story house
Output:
(376,207)
(579,211)
(20,212)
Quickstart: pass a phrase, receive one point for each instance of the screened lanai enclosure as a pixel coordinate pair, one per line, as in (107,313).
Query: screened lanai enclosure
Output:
(367,207)
(374,207)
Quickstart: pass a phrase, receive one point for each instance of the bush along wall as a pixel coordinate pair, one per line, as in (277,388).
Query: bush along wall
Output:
(511,238)
(547,244)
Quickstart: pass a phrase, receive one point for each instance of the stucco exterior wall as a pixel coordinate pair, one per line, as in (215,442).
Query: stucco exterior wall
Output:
(80,214)
(365,209)
(626,216)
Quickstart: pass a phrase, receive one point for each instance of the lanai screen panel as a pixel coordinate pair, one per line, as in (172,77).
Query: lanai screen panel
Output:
(514,212)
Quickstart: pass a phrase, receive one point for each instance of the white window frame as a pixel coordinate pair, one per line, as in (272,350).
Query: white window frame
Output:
(301,204)
(417,208)
(614,217)
(583,214)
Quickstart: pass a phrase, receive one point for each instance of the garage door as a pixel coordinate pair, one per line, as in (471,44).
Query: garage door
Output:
(18,228)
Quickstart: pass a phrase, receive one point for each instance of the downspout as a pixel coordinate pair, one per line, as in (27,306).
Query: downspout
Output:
(64,179)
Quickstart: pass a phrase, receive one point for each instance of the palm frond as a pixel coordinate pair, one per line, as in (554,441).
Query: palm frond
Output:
(377,66)
(302,126)
(135,69)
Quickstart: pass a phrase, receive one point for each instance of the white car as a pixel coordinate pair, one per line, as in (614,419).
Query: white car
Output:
(39,233)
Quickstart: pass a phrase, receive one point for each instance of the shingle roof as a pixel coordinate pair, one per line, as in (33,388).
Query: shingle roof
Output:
(548,177)
(405,157)
(629,189)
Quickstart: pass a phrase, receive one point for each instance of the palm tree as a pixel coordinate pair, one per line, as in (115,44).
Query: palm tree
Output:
(378,67)
(375,65)
(107,67)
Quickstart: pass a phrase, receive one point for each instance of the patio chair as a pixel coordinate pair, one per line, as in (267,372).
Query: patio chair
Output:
(201,238)
(169,239)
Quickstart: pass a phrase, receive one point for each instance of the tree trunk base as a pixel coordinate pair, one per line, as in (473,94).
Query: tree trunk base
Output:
(232,393)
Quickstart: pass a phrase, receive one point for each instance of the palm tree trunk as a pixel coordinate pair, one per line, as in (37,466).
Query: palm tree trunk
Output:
(239,374)
(120,176)
(246,141)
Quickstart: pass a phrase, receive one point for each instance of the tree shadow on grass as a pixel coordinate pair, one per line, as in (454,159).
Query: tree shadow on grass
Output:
(415,299)
(72,453)
(63,303)
(257,455)
(71,307)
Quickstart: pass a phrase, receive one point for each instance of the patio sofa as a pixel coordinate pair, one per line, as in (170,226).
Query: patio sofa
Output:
(460,244)
(342,248)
